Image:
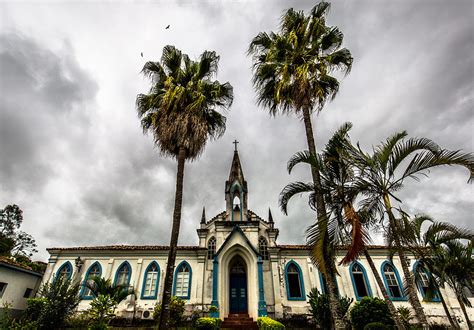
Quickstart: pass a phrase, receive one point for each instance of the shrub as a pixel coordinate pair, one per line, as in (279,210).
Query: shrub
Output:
(102,310)
(208,323)
(370,310)
(176,311)
(319,307)
(266,323)
(58,301)
(80,320)
(377,326)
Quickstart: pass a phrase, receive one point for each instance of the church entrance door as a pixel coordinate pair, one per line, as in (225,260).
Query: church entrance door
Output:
(238,286)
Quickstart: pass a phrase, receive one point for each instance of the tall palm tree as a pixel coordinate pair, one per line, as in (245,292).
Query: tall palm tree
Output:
(424,242)
(345,223)
(180,111)
(454,265)
(292,74)
(382,174)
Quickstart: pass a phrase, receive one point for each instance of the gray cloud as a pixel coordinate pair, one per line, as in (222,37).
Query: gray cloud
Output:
(74,157)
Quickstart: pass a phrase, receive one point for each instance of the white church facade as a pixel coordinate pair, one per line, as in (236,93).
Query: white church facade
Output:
(238,266)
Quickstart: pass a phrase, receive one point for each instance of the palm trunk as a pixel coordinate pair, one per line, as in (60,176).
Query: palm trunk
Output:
(412,295)
(463,308)
(446,310)
(178,200)
(322,221)
(378,279)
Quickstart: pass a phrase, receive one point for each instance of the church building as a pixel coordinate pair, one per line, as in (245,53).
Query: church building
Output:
(238,266)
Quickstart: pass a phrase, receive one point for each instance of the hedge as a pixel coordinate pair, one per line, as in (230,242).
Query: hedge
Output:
(266,323)
(208,323)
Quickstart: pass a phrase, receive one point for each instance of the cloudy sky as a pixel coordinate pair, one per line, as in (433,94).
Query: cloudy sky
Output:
(73,156)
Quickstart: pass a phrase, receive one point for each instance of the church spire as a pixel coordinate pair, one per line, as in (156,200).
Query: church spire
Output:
(236,190)
(270,217)
(203,217)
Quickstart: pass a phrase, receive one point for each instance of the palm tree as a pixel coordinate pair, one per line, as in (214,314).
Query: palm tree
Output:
(381,175)
(180,111)
(347,225)
(454,265)
(424,243)
(292,74)
(100,286)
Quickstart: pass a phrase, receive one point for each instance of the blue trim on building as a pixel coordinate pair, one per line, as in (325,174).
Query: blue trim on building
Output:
(436,297)
(262,305)
(125,263)
(366,280)
(190,279)
(157,281)
(83,289)
(215,276)
(300,277)
(400,283)
(322,282)
(64,265)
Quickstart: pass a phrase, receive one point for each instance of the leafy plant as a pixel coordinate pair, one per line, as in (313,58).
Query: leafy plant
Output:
(370,310)
(208,323)
(320,307)
(405,315)
(176,311)
(57,301)
(102,309)
(12,240)
(266,323)
(377,326)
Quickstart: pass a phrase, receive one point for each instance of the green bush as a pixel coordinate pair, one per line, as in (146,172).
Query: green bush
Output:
(370,310)
(176,311)
(80,320)
(208,323)
(405,316)
(58,301)
(266,323)
(320,310)
(377,326)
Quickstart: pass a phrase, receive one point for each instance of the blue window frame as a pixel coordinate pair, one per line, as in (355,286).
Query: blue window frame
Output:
(123,274)
(94,270)
(150,281)
(422,282)
(392,281)
(360,282)
(294,282)
(182,281)
(65,270)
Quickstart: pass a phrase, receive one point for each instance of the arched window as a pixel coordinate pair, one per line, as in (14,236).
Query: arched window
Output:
(392,281)
(263,248)
(123,274)
(359,281)
(182,281)
(94,270)
(423,282)
(211,248)
(324,284)
(65,271)
(294,282)
(150,281)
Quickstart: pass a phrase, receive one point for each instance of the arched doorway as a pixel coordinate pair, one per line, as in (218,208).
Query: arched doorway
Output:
(238,286)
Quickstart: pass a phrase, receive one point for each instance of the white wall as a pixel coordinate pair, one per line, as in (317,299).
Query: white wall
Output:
(17,283)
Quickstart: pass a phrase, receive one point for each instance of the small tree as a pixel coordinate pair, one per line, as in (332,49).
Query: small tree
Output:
(102,311)
(370,310)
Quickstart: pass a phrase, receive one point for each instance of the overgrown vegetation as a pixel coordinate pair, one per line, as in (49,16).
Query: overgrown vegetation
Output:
(176,311)
(370,310)
(57,301)
(208,323)
(320,308)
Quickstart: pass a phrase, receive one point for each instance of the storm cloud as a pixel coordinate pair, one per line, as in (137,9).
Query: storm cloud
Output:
(73,156)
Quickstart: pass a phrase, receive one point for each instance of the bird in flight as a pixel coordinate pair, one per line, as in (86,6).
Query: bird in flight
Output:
(166,28)
(141,54)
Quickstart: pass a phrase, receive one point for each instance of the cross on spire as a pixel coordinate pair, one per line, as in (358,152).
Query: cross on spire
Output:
(235,143)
